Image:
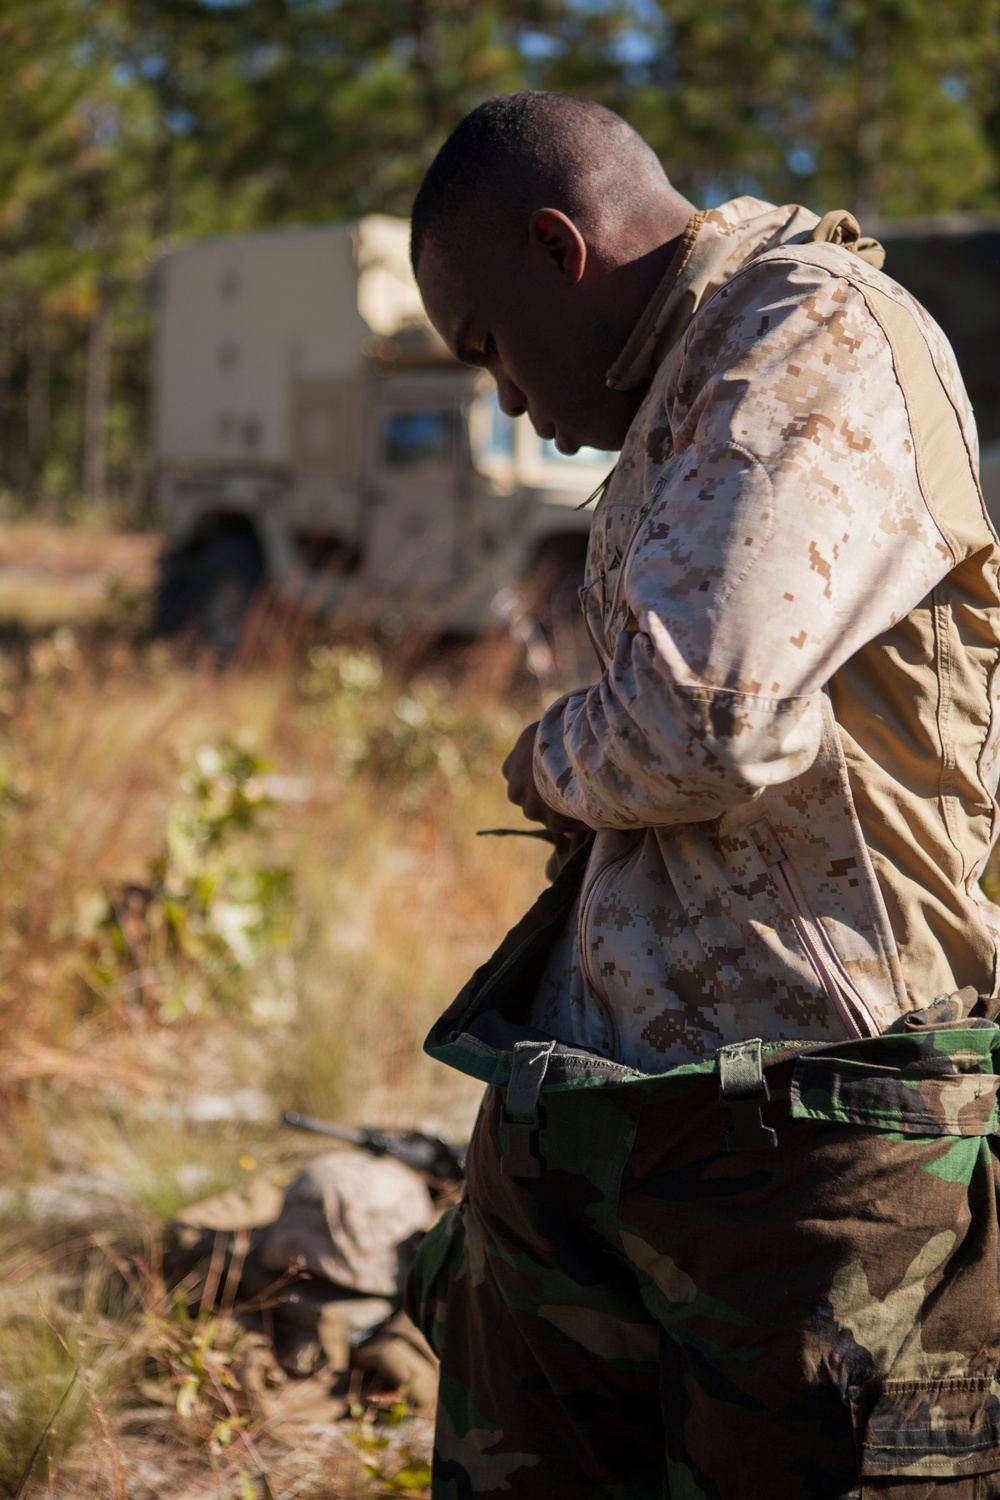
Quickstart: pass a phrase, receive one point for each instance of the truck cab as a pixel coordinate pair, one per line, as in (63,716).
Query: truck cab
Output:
(312,431)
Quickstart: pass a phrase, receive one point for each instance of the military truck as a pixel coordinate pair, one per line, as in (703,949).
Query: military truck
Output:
(311,430)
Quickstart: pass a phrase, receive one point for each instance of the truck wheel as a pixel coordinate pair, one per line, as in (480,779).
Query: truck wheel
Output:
(225,576)
(174,603)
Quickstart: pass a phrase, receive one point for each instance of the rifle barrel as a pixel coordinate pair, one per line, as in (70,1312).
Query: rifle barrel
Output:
(322,1127)
(424,1153)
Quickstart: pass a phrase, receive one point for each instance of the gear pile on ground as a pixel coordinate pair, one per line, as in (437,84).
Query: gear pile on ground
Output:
(316,1272)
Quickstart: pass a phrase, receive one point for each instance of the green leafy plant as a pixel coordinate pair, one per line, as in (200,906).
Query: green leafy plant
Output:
(192,1362)
(188,935)
(11,796)
(195,1363)
(376,1440)
(412,744)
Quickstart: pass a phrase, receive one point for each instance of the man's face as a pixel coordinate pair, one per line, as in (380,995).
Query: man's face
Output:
(539,335)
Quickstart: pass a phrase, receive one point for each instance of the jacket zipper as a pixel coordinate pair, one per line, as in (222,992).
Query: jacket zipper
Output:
(846,1000)
(588,908)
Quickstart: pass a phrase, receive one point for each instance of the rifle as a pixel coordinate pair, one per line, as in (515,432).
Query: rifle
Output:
(424,1153)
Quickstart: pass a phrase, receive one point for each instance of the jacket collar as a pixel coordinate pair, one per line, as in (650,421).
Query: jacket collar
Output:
(717,243)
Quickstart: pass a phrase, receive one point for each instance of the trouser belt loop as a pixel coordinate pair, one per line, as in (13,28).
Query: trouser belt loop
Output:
(742,1090)
(521,1117)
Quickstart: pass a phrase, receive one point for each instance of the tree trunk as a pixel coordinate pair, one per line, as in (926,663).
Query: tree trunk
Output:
(98,384)
(427,62)
(6,394)
(163,179)
(39,413)
(872,51)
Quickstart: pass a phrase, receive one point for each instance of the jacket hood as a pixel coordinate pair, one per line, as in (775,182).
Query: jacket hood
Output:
(717,243)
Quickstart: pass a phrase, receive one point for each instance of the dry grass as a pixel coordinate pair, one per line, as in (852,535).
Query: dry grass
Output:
(150,1048)
(378,791)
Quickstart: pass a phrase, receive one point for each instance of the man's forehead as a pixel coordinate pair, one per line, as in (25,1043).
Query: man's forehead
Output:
(454,293)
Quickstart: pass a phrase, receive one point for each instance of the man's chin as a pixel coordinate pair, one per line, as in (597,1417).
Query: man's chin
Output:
(601,436)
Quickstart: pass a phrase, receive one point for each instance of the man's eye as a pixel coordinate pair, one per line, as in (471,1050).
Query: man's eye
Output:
(489,348)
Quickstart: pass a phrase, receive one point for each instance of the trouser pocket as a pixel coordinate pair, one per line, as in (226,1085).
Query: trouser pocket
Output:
(437,1262)
(925,1303)
(924,1438)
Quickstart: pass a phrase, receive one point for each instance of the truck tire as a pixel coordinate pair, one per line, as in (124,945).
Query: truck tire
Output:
(174,603)
(224,577)
(554,592)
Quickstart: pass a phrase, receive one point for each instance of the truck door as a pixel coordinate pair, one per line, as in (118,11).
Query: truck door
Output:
(413,530)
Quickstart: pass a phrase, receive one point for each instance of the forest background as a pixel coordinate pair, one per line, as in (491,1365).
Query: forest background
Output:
(128,125)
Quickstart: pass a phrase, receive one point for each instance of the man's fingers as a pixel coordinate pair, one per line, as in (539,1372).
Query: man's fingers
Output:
(518,768)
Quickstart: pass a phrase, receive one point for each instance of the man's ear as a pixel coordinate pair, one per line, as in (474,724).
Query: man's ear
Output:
(556,238)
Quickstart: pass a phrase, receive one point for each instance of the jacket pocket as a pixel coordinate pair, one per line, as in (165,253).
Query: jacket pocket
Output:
(910,1435)
(845,999)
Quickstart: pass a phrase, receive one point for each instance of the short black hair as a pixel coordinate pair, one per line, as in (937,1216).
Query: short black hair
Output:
(524,151)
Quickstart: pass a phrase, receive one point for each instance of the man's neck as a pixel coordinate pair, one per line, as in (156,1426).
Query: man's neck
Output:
(632,283)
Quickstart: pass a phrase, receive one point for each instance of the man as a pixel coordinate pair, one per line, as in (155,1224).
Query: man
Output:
(731,1222)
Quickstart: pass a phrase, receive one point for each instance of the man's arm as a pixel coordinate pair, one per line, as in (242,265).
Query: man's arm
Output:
(790,531)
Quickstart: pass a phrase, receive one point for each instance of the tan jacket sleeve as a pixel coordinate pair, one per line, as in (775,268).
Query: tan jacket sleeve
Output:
(787,530)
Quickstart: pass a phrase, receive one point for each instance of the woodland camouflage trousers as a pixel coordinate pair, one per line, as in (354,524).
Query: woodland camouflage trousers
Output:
(645,1294)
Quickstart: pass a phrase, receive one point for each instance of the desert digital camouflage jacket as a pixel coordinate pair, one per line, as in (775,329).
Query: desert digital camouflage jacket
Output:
(791,756)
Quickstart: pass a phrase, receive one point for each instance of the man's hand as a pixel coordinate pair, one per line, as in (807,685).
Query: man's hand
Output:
(521,789)
(518,768)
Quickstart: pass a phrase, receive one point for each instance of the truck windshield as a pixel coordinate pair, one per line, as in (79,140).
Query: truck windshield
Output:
(416,437)
(500,433)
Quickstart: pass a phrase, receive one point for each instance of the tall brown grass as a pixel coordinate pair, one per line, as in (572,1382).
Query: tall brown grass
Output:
(129,1082)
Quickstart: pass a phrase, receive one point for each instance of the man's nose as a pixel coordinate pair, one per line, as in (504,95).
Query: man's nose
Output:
(512,399)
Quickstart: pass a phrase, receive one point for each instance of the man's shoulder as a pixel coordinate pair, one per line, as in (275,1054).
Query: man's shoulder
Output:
(800,269)
(921,352)
(808,339)
(801,290)
(796,304)
(833,274)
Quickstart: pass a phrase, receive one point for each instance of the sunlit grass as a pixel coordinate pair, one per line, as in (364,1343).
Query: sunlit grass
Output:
(166,1162)
(43,1405)
(63,1363)
(135,1078)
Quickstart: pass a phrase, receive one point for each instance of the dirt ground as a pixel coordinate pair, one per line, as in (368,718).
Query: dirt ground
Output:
(55,575)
